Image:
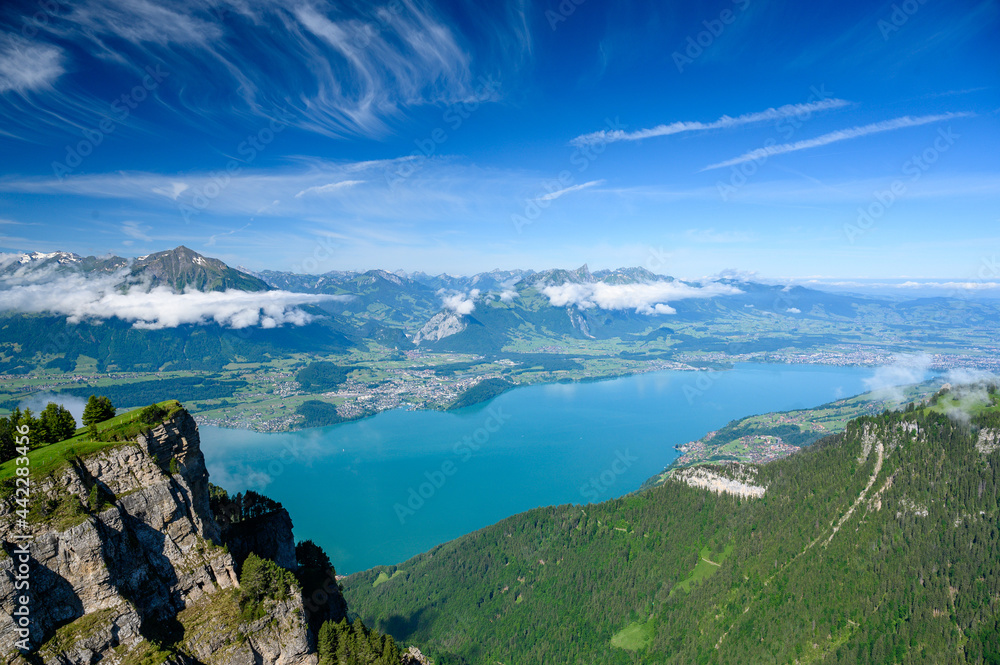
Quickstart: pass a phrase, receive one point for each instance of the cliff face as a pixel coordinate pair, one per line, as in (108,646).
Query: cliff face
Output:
(126,553)
(989,440)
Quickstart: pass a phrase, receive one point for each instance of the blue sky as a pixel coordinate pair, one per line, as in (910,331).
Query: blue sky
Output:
(839,140)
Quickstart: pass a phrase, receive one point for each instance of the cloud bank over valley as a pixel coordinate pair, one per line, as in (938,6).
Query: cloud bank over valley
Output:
(649,298)
(81,298)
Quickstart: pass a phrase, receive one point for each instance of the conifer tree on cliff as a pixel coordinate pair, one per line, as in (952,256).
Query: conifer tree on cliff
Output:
(98,410)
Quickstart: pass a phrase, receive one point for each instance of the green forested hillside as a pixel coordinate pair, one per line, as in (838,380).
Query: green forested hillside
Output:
(115,344)
(878,545)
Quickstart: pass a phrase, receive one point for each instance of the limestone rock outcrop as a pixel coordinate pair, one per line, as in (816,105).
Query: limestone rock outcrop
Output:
(125,556)
(988,441)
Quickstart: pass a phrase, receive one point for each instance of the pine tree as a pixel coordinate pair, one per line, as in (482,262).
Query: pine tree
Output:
(344,653)
(57,423)
(35,433)
(90,411)
(311,555)
(7,442)
(98,410)
(107,409)
(152,414)
(41,434)
(327,643)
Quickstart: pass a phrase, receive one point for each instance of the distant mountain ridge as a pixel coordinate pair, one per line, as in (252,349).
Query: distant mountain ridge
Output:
(33,263)
(179,268)
(493,312)
(118,344)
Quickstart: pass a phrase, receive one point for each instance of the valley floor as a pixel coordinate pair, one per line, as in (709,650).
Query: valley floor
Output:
(266,397)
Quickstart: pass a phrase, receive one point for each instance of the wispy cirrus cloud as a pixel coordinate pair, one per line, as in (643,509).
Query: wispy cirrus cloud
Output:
(27,66)
(839,135)
(331,187)
(725,122)
(341,69)
(173,191)
(443,190)
(552,196)
(136,230)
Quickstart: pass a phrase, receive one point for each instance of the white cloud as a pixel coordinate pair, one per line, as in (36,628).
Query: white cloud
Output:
(239,475)
(508,295)
(39,401)
(332,187)
(839,135)
(949,289)
(725,122)
(905,370)
(458,302)
(951,286)
(793,310)
(736,275)
(9,259)
(80,298)
(174,190)
(27,66)
(968,386)
(646,298)
(344,68)
(136,230)
(551,196)
(959,376)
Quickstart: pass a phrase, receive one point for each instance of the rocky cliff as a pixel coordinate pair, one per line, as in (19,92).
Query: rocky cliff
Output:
(989,440)
(126,564)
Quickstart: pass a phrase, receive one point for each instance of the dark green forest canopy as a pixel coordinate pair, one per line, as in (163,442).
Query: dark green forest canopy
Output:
(144,392)
(316,413)
(483,391)
(911,576)
(321,376)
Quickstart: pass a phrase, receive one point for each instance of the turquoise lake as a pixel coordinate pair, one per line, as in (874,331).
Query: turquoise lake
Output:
(380,490)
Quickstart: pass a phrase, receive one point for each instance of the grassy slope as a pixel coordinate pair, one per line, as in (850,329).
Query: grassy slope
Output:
(50,458)
(635,636)
(705,568)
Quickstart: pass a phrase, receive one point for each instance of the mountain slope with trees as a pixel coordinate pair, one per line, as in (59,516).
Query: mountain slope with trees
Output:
(876,545)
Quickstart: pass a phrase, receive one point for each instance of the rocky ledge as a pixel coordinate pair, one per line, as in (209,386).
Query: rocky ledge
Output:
(125,556)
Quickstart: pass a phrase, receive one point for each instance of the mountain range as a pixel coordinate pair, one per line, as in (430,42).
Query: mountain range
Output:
(874,545)
(488,313)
